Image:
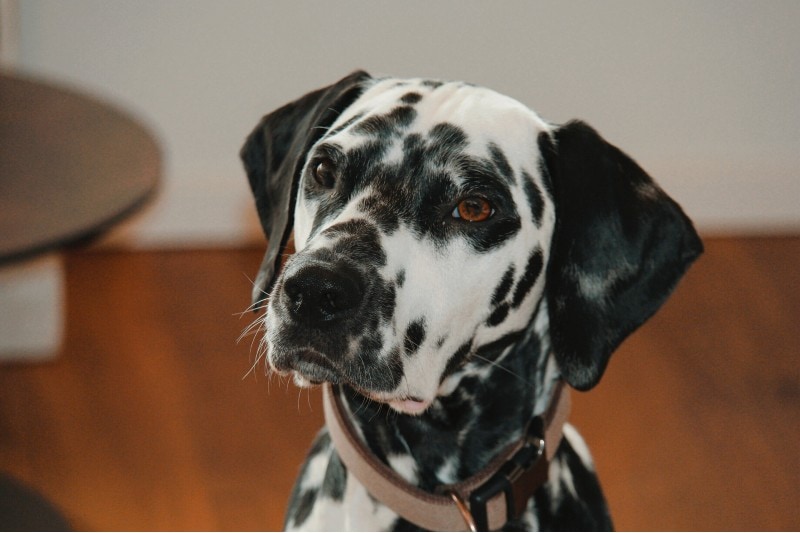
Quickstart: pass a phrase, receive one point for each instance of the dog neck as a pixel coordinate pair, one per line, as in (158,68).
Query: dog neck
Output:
(491,403)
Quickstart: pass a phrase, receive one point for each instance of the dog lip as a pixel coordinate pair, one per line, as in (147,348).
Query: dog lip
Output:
(315,367)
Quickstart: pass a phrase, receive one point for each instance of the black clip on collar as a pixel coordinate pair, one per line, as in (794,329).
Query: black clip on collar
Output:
(526,467)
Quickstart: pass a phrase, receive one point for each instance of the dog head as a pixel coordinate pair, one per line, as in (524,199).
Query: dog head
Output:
(431,220)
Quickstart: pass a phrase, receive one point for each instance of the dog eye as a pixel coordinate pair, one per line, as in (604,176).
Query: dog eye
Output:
(473,209)
(324,173)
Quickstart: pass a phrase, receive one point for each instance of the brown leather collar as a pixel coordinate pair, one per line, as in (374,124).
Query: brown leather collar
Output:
(485,501)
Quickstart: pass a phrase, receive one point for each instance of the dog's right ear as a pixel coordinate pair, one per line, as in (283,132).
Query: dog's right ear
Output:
(273,157)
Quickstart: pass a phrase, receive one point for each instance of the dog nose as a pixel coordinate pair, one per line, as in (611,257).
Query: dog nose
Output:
(321,296)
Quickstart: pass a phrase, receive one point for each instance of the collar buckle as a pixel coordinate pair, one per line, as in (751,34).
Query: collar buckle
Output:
(517,479)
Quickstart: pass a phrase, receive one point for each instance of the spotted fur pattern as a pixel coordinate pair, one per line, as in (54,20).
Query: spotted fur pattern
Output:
(440,330)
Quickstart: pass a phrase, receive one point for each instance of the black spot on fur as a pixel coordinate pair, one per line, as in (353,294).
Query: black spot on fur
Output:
(448,137)
(415,336)
(349,122)
(395,363)
(387,301)
(534,196)
(301,502)
(433,84)
(359,241)
(354,226)
(377,209)
(498,315)
(335,480)
(502,289)
(320,445)
(411,98)
(500,161)
(401,279)
(371,371)
(494,349)
(384,126)
(376,125)
(415,154)
(532,271)
(457,359)
(403,116)
(303,506)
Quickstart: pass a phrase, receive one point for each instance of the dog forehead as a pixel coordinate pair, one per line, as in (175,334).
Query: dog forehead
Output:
(407,150)
(418,106)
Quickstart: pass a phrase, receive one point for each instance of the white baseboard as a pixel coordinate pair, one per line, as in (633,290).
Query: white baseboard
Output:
(31,309)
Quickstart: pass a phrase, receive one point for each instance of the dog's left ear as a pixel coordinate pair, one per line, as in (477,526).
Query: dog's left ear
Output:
(273,156)
(619,247)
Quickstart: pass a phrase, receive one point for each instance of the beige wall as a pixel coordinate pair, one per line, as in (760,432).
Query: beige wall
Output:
(703,94)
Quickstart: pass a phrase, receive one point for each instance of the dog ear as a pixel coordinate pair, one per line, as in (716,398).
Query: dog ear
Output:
(273,157)
(619,247)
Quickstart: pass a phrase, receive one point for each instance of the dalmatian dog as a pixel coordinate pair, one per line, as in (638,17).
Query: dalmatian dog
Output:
(456,257)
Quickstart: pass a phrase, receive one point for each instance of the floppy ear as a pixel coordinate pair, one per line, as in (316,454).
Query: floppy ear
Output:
(619,247)
(273,157)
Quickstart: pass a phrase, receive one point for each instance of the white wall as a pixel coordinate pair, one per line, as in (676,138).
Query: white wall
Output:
(703,94)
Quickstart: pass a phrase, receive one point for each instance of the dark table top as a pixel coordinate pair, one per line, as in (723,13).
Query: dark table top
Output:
(70,167)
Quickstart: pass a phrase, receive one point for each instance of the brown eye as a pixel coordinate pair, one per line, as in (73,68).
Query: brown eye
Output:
(324,173)
(473,209)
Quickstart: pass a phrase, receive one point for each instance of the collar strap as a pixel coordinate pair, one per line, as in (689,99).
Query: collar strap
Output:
(485,501)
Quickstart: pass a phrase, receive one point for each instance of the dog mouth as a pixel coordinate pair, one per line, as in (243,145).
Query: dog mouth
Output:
(311,368)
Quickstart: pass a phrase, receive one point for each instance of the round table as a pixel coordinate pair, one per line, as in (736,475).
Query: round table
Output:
(70,167)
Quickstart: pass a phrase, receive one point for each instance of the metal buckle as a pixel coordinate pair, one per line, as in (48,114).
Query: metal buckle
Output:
(461,505)
(502,481)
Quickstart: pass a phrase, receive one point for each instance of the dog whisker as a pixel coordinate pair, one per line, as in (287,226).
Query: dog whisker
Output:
(251,329)
(501,367)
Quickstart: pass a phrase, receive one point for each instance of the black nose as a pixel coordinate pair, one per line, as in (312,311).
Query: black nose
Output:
(322,295)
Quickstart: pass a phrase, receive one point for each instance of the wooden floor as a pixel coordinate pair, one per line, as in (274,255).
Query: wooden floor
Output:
(149,418)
